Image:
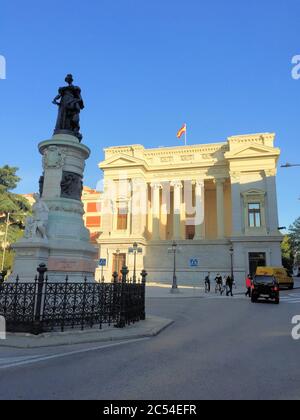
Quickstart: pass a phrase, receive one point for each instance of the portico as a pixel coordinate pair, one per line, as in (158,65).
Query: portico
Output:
(205,197)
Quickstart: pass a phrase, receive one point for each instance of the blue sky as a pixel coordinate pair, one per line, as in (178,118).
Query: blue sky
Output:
(145,67)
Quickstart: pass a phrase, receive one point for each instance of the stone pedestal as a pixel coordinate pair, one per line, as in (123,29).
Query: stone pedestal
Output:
(66,247)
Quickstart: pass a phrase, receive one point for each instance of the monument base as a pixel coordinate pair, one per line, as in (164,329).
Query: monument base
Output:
(55,235)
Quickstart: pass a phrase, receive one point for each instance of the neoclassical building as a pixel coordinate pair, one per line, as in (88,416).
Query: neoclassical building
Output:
(209,198)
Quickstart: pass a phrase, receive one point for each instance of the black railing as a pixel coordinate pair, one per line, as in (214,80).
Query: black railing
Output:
(42,306)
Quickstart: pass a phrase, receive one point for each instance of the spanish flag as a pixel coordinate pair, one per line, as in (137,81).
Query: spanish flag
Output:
(181,131)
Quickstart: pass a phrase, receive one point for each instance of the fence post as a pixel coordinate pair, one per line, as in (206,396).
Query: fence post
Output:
(37,329)
(122,322)
(144,275)
(2,276)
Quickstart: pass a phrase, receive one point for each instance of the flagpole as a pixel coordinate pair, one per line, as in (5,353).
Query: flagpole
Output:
(185,134)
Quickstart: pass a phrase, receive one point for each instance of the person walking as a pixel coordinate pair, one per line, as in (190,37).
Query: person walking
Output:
(207,283)
(248,286)
(224,285)
(218,281)
(229,284)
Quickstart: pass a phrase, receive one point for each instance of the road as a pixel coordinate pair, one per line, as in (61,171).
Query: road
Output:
(217,348)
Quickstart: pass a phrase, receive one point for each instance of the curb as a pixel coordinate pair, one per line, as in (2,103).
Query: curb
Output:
(143,329)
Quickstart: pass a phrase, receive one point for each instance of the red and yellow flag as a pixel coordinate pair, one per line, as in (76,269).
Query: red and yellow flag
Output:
(181,131)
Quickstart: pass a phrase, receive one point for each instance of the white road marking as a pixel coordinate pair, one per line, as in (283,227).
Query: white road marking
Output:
(11,363)
(291,298)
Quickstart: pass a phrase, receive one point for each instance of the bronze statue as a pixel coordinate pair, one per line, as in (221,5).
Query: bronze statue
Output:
(70,104)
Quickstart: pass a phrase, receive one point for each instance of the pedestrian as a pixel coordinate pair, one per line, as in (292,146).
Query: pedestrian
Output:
(207,283)
(224,285)
(229,284)
(218,281)
(248,286)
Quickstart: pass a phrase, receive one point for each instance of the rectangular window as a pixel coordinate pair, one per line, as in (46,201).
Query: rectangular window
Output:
(122,218)
(190,232)
(93,208)
(254,215)
(93,221)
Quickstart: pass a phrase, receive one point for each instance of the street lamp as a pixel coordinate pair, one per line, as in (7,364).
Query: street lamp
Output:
(134,251)
(117,261)
(231,250)
(290,165)
(173,250)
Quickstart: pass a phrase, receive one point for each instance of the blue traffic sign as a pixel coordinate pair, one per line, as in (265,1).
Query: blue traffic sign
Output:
(102,262)
(194,262)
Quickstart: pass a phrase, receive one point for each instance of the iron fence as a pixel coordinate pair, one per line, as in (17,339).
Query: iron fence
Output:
(42,306)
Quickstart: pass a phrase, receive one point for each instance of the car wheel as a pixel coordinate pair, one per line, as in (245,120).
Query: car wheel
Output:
(291,287)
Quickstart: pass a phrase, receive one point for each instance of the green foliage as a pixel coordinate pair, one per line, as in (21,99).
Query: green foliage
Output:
(13,209)
(294,233)
(287,253)
(8,178)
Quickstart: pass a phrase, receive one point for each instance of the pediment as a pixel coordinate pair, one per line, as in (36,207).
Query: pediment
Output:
(254,192)
(121,161)
(253,150)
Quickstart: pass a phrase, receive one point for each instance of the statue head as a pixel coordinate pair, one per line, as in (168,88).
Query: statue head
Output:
(36,197)
(69,79)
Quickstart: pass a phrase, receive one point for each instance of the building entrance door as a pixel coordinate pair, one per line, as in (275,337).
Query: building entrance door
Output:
(256,259)
(119,260)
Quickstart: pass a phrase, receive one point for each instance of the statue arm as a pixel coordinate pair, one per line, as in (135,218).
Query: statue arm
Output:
(55,100)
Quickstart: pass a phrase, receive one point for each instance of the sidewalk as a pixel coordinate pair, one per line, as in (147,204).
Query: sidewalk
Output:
(159,290)
(149,328)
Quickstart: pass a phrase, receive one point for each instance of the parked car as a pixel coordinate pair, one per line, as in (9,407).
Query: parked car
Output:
(284,279)
(265,287)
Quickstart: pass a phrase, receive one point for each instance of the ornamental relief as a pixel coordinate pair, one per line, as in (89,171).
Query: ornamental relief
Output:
(66,207)
(54,158)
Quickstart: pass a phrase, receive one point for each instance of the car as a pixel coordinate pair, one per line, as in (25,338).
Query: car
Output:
(284,279)
(266,287)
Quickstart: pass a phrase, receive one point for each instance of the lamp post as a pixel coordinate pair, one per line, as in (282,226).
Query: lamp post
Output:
(117,261)
(173,250)
(134,251)
(231,251)
(290,165)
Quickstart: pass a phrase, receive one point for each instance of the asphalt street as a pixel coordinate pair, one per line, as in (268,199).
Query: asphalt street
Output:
(217,348)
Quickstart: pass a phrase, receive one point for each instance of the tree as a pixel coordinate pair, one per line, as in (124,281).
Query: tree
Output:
(287,253)
(294,235)
(13,212)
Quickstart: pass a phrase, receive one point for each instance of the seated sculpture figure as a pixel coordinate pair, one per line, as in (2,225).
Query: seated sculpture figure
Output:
(36,225)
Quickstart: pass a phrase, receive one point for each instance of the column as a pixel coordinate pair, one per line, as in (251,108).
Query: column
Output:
(139,207)
(155,186)
(220,207)
(237,225)
(200,210)
(272,204)
(177,185)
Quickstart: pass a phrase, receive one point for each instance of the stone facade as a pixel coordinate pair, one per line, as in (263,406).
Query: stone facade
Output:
(205,197)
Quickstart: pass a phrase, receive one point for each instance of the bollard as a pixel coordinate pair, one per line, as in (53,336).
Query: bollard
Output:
(42,269)
(122,322)
(144,275)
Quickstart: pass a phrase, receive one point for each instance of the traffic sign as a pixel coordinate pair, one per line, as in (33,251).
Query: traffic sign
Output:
(102,262)
(194,262)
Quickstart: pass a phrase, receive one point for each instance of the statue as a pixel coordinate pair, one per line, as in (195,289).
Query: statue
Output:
(36,225)
(70,104)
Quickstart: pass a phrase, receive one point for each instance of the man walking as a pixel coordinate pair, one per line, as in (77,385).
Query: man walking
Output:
(207,283)
(229,284)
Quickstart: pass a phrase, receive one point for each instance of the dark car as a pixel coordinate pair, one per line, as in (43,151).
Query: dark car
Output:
(265,287)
